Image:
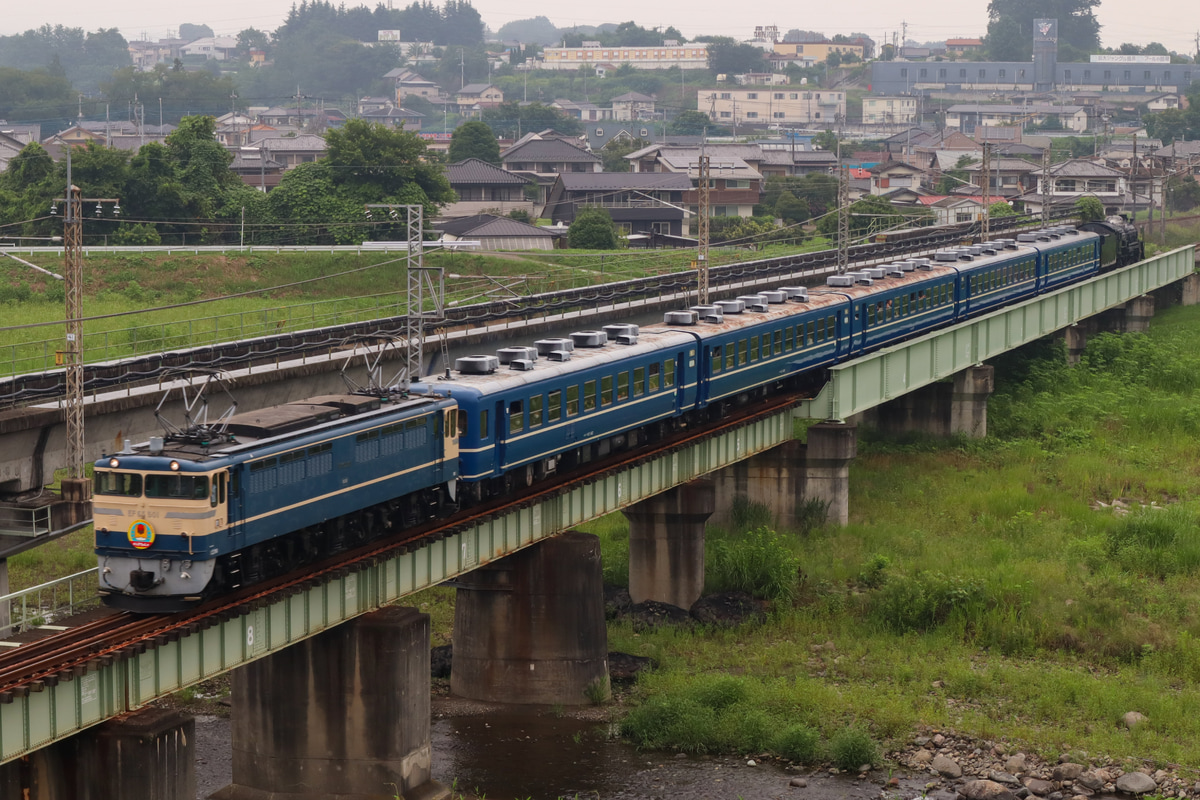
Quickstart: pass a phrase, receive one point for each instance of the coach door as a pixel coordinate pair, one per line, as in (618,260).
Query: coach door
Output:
(453,423)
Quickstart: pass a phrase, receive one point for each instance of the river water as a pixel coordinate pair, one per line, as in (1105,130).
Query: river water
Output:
(533,754)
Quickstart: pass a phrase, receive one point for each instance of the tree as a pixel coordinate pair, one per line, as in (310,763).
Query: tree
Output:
(614,152)
(694,123)
(826,140)
(252,39)
(1183,193)
(190,33)
(873,213)
(537,29)
(593,229)
(728,57)
(1089,209)
(474,139)
(1010,26)
(372,163)
(511,119)
(790,208)
(1001,208)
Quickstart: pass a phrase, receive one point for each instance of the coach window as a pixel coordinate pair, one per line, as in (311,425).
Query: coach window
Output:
(589,396)
(730,355)
(622,386)
(754,348)
(483,424)
(654,377)
(812,334)
(554,407)
(572,400)
(639,381)
(606,387)
(717,359)
(516,416)
(669,373)
(535,411)
(778,342)
(743,352)
(788,336)
(820,330)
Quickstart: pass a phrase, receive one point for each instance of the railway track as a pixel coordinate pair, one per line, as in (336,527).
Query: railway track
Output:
(42,657)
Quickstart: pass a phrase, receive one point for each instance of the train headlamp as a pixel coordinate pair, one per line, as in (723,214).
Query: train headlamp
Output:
(114,463)
(175,466)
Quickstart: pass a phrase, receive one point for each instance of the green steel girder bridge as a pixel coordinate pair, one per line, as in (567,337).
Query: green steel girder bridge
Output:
(44,711)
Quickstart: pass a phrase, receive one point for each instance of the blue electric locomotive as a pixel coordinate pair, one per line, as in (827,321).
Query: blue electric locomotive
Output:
(186,517)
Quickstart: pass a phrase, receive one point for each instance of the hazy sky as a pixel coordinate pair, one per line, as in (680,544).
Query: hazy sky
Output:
(1171,22)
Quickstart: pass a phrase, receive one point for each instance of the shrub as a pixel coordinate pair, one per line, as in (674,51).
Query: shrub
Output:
(593,229)
(1157,542)
(853,747)
(746,515)
(758,562)
(924,601)
(673,722)
(798,743)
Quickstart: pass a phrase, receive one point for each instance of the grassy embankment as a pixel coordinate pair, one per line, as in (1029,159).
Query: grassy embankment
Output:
(288,292)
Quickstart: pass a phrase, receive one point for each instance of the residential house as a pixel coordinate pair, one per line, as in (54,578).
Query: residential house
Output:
(966,117)
(819,51)
(587,112)
(632,106)
(393,117)
(735,185)
(963,47)
(474,97)
(957,208)
(893,175)
(482,186)
(146,54)
(256,168)
(598,136)
(592,54)
(549,155)
(233,130)
(279,116)
(77,136)
(291,151)
(408,82)
(880,110)
(1007,177)
(498,233)
(25,132)
(1070,180)
(1179,157)
(10,147)
(639,203)
(210,48)
(762,79)
(773,106)
(1163,102)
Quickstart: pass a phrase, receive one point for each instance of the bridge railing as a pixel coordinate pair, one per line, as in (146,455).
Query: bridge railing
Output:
(41,605)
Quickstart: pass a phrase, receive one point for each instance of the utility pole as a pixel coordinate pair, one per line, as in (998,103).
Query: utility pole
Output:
(843,243)
(985,220)
(420,280)
(72,354)
(702,233)
(1046,186)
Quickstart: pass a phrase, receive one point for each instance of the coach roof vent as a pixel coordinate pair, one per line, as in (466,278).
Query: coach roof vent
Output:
(621,329)
(589,338)
(922,263)
(710,314)
(507,355)
(477,365)
(521,364)
(558,355)
(797,294)
(1027,237)
(875,273)
(1007,244)
(679,318)
(547,346)
(946,255)
(902,266)
(861,278)
(973,249)
(773,297)
(754,302)
(839,280)
(731,306)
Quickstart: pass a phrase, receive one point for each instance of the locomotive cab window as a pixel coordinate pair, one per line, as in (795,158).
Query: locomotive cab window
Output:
(177,486)
(119,484)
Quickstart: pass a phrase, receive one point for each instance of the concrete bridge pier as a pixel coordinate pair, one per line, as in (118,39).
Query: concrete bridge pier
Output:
(530,627)
(342,715)
(148,754)
(666,544)
(1138,313)
(968,402)
(1189,290)
(831,448)
(774,479)
(1076,337)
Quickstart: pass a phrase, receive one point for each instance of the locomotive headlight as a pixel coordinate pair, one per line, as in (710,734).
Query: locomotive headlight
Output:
(175,466)
(114,463)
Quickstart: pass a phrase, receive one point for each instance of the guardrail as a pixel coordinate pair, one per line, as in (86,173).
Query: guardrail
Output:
(41,605)
(28,522)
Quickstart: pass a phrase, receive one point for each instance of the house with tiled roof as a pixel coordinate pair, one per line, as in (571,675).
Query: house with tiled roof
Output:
(632,106)
(291,151)
(483,187)
(733,169)
(639,203)
(498,233)
(549,156)
(1078,177)
(474,97)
